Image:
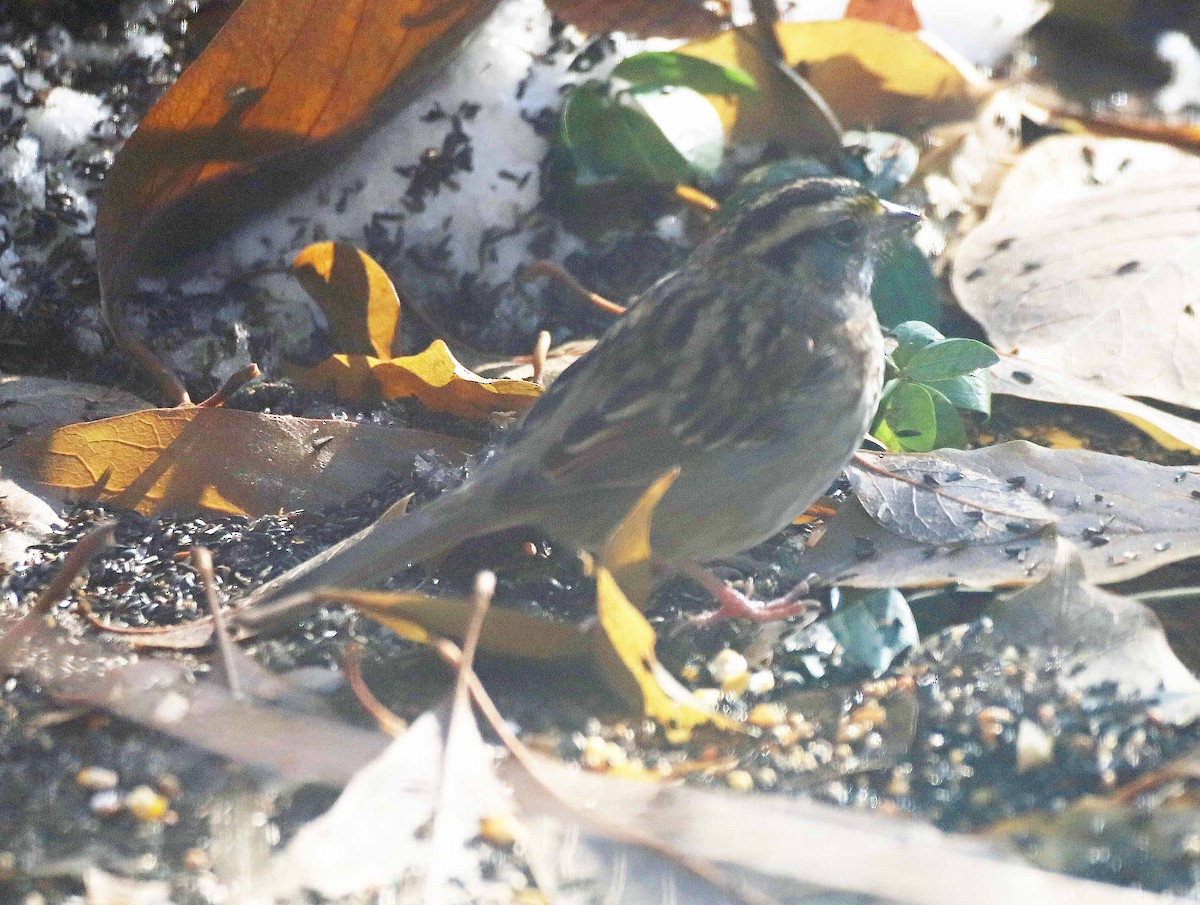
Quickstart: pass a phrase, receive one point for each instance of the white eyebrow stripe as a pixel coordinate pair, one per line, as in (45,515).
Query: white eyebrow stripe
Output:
(802,220)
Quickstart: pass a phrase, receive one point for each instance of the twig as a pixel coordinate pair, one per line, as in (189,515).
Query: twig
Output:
(540,349)
(202,559)
(451,653)
(72,567)
(235,382)
(351,664)
(697,199)
(170,387)
(544,268)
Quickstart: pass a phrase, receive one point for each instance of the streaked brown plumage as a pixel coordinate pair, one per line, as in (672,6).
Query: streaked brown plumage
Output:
(756,368)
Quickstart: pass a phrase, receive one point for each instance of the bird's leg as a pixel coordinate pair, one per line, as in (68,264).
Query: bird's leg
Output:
(733,604)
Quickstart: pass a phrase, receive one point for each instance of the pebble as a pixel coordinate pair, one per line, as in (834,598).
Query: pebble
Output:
(146,804)
(740,780)
(730,670)
(1035,748)
(767,715)
(761,681)
(97,779)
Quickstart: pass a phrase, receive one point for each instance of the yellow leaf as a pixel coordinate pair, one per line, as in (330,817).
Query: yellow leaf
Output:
(415,616)
(216,459)
(627,553)
(624,649)
(870,74)
(355,294)
(435,377)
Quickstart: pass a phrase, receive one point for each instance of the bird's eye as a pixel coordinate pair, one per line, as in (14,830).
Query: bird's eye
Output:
(846,233)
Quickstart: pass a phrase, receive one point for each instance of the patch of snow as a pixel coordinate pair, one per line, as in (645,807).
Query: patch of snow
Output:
(65,120)
(1183,90)
(19,166)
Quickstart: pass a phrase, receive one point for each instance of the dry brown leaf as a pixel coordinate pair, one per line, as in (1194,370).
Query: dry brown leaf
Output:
(505,632)
(870,74)
(217,460)
(624,651)
(1101,284)
(648,18)
(435,377)
(899,14)
(40,403)
(1129,518)
(355,294)
(281,79)
(1029,380)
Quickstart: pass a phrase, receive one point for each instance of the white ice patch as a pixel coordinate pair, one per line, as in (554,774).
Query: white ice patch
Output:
(65,121)
(19,166)
(475,218)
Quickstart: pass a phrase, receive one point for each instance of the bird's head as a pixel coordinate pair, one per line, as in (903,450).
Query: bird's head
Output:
(817,230)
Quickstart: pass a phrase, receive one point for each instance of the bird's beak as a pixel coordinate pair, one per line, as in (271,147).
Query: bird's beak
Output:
(897,218)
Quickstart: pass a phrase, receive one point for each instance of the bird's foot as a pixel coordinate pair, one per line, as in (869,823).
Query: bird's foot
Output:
(733,604)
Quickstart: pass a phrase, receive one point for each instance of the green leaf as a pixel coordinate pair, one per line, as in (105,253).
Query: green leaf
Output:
(951,432)
(949,358)
(580,126)
(658,69)
(882,431)
(633,143)
(687,123)
(874,631)
(911,336)
(912,418)
(968,391)
(905,288)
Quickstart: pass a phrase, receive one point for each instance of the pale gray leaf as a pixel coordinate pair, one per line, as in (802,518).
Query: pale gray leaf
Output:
(938,501)
(1128,517)
(1103,286)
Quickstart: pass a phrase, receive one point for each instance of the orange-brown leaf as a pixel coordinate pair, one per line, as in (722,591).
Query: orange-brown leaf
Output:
(870,75)
(281,78)
(435,377)
(218,460)
(899,14)
(659,18)
(355,294)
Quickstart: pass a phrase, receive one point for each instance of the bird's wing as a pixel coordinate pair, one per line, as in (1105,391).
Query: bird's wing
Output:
(680,374)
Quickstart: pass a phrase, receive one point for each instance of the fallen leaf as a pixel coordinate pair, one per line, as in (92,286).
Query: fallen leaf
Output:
(869,74)
(1103,286)
(1128,517)
(899,14)
(656,18)
(624,641)
(918,498)
(847,856)
(1029,380)
(505,632)
(372,835)
(435,377)
(41,403)
(1061,168)
(25,520)
(255,116)
(355,294)
(1095,638)
(627,552)
(168,697)
(217,460)
(624,654)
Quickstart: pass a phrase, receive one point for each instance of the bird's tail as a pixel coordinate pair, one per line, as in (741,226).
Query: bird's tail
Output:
(383,548)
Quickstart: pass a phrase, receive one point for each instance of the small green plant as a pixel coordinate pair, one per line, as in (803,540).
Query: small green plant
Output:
(929,378)
(648,122)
